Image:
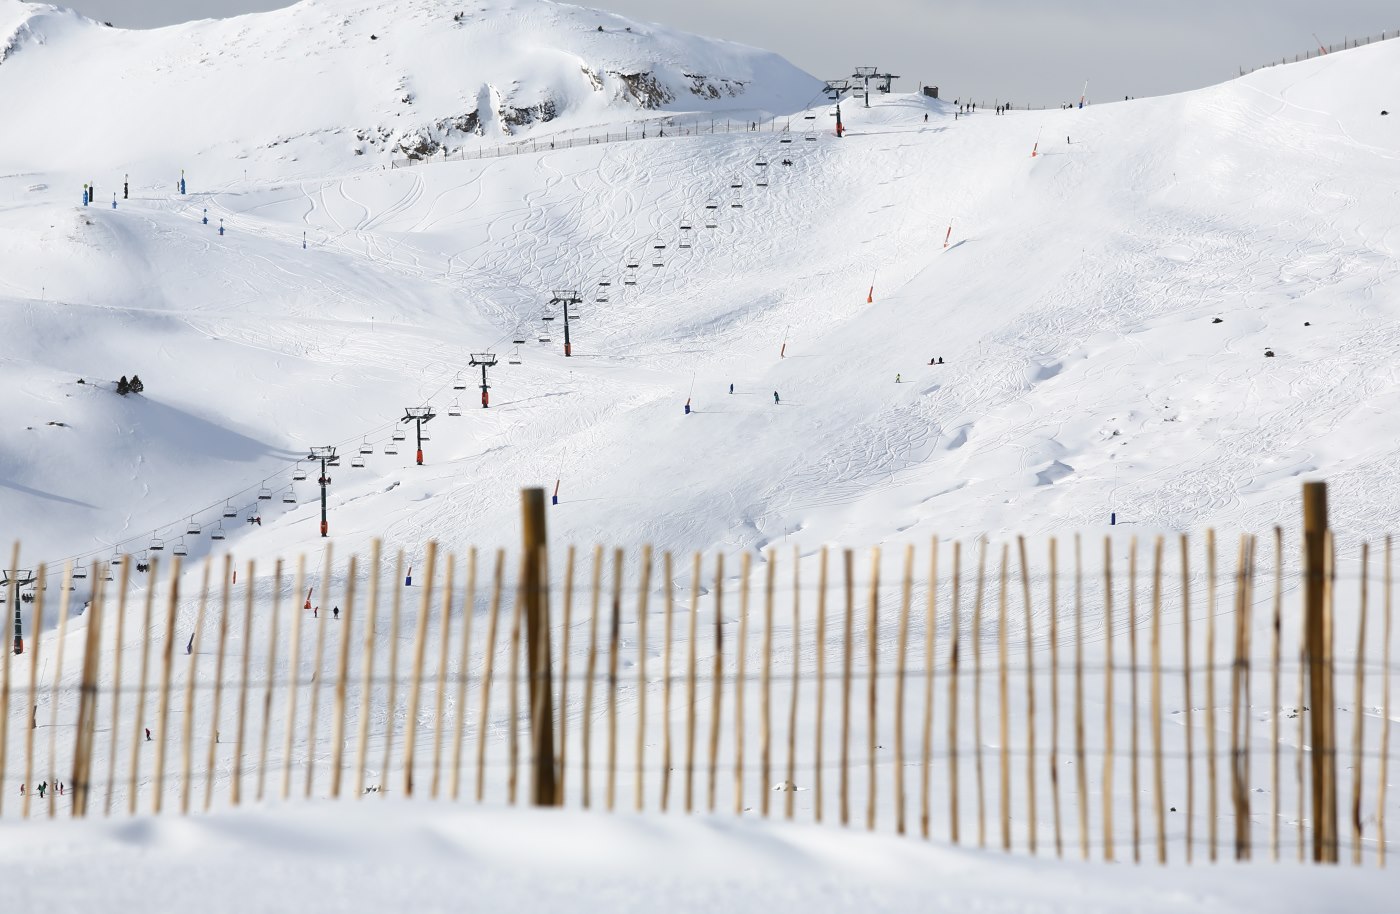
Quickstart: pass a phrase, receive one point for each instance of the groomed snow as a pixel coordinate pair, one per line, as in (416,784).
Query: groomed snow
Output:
(391,856)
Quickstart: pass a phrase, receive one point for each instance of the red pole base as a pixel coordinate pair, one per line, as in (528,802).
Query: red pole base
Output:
(485,400)
(420,457)
(325,528)
(568,349)
(19,645)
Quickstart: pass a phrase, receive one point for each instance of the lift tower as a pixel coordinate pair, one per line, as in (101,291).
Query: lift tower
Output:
(418,415)
(327,458)
(866,74)
(485,360)
(23,577)
(567,298)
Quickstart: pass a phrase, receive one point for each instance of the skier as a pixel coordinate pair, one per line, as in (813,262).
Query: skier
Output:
(316,613)
(126,188)
(896,379)
(60,788)
(335,612)
(21,790)
(925,118)
(43,785)
(687,407)
(775,398)
(148,734)
(731,389)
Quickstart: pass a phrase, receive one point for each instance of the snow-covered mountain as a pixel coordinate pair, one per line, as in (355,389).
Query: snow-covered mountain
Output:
(304,87)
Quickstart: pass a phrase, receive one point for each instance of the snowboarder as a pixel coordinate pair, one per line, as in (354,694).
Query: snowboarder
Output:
(335,612)
(775,398)
(148,734)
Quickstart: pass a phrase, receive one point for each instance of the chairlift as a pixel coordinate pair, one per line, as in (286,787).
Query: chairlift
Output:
(684,243)
(633,261)
(391,449)
(290,497)
(657,261)
(713,204)
(157,544)
(366,448)
(686,225)
(357,462)
(659,246)
(399,434)
(455,409)
(460,383)
(630,279)
(264,494)
(809,117)
(116,558)
(180,548)
(514,359)
(79,572)
(786,139)
(218,532)
(762,163)
(299,474)
(193,528)
(230,510)
(736,185)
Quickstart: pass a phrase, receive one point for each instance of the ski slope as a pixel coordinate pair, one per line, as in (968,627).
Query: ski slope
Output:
(1084,373)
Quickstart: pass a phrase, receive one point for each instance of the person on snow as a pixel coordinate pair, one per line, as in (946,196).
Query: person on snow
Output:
(731,388)
(775,398)
(335,612)
(896,379)
(925,118)
(316,612)
(43,785)
(148,734)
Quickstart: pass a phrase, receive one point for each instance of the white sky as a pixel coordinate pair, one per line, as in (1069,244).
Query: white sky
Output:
(1028,51)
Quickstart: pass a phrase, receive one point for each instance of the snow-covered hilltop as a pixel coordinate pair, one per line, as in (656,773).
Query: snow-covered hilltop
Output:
(331,79)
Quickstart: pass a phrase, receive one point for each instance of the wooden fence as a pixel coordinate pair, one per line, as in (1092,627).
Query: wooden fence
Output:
(1321,50)
(1115,699)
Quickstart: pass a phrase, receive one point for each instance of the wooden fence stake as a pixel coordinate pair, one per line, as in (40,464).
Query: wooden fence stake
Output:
(1186,683)
(873,649)
(847,647)
(483,717)
(138,719)
(1030,697)
(765,779)
(538,652)
(566,633)
(444,643)
(1055,700)
(977,695)
(900,662)
(420,646)
(12,607)
(270,677)
(103,571)
(236,781)
(57,691)
(690,686)
(1080,763)
(513,687)
(614,634)
(790,788)
(1108,706)
(1212,817)
(821,687)
(1134,787)
(211,757)
(1239,701)
(717,686)
(391,704)
(1003,721)
(464,659)
(1358,712)
(666,681)
(1276,711)
(1385,718)
(930,643)
(741,681)
(87,704)
(954,657)
(1155,648)
(187,731)
(1316,622)
(293,662)
(314,720)
(347,621)
(167,659)
(36,625)
(642,589)
(367,667)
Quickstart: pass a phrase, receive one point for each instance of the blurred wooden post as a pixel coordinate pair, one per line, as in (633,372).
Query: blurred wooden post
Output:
(87,701)
(1358,713)
(1318,662)
(532,531)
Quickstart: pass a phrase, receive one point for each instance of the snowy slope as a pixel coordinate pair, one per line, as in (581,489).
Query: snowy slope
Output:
(307,87)
(1075,309)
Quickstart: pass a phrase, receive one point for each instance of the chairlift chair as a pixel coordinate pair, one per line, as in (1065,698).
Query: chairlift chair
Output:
(786,139)
(218,532)
(514,359)
(180,548)
(630,279)
(736,184)
(713,204)
(79,572)
(367,449)
(230,510)
(116,558)
(264,494)
(299,474)
(399,435)
(357,462)
(193,528)
(157,545)
(454,409)
(290,497)
(633,261)
(460,383)
(684,243)
(657,261)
